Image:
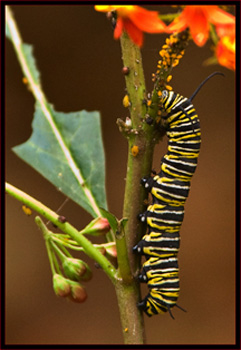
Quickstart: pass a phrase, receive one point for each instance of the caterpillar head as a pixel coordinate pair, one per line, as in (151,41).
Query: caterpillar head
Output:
(172,101)
(164,95)
(166,100)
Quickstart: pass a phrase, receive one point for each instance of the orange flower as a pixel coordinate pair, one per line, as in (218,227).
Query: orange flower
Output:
(197,18)
(225,52)
(226,30)
(225,49)
(134,20)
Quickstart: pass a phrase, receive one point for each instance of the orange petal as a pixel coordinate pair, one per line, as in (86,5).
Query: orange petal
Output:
(180,23)
(225,55)
(147,21)
(118,28)
(199,26)
(135,33)
(226,30)
(217,16)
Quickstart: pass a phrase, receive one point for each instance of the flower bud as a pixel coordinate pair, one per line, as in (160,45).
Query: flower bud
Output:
(111,251)
(61,285)
(87,274)
(78,293)
(98,227)
(102,250)
(111,254)
(74,268)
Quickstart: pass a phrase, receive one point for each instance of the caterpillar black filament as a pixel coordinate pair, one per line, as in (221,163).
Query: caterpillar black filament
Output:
(169,190)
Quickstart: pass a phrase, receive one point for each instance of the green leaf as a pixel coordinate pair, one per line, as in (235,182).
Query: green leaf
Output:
(27,51)
(80,133)
(117,226)
(7,31)
(113,221)
(210,61)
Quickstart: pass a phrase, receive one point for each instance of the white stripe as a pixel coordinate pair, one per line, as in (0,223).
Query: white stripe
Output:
(174,186)
(184,149)
(169,194)
(163,239)
(183,99)
(178,170)
(166,211)
(173,160)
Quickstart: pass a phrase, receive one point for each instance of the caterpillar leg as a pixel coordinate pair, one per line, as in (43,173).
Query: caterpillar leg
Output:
(142,277)
(141,217)
(147,182)
(152,306)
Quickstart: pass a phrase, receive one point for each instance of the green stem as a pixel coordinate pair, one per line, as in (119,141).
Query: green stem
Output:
(168,16)
(66,244)
(213,34)
(131,322)
(88,247)
(58,251)
(124,270)
(144,137)
(50,256)
(74,245)
(56,263)
(66,252)
(50,253)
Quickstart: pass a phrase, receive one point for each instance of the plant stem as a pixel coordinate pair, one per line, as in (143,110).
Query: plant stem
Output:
(50,256)
(58,251)
(144,137)
(132,323)
(88,247)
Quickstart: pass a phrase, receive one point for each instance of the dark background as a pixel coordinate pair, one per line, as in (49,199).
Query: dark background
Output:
(80,65)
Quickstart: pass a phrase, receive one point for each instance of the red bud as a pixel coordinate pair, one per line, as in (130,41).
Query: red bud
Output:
(78,293)
(98,227)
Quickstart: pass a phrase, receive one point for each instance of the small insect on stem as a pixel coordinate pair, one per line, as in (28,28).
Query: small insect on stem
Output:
(134,150)
(62,219)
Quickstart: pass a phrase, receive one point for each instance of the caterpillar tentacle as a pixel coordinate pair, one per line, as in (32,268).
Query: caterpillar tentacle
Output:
(169,189)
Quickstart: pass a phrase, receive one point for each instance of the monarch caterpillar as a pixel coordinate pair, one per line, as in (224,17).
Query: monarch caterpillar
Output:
(169,190)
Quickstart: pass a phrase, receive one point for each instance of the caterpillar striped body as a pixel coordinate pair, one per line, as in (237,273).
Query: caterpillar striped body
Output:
(169,190)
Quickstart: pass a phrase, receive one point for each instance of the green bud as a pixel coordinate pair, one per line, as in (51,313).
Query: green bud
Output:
(97,227)
(61,285)
(87,274)
(74,268)
(78,293)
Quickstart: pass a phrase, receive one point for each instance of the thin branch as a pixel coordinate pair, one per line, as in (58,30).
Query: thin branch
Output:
(88,247)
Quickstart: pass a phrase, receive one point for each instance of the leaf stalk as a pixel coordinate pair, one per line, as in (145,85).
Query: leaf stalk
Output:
(67,228)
